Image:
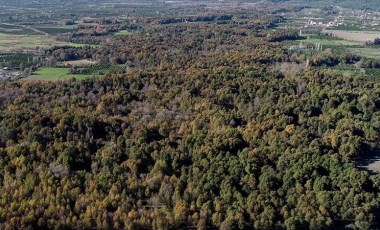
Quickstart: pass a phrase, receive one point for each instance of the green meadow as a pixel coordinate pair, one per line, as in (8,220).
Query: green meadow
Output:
(54,74)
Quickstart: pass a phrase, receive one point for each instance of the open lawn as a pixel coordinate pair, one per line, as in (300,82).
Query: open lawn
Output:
(53,74)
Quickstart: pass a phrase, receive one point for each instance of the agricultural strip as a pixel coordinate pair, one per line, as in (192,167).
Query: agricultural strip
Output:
(19,43)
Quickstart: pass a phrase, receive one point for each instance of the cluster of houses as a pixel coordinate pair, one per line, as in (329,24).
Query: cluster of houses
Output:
(311,22)
(338,21)
(356,17)
(372,19)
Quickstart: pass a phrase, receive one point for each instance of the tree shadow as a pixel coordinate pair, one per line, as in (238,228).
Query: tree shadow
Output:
(369,162)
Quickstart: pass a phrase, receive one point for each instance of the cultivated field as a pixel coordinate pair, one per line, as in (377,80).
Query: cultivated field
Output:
(331,42)
(55,29)
(358,36)
(17,30)
(338,44)
(17,43)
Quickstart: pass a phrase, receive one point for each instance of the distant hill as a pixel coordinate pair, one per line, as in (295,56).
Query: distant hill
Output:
(357,4)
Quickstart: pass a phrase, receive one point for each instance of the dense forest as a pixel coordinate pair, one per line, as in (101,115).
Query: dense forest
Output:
(212,126)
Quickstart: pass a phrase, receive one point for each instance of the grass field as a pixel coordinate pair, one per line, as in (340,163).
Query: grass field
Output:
(331,42)
(367,52)
(53,74)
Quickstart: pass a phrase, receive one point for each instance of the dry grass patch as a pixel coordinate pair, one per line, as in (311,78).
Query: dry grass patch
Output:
(82,62)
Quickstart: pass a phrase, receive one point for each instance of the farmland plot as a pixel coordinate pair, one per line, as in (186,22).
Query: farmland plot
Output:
(358,36)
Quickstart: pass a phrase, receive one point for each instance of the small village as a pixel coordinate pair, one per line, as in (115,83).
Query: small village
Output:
(311,22)
(345,17)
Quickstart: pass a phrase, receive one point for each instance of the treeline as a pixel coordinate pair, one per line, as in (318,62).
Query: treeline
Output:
(375,43)
(282,35)
(208,18)
(18,60)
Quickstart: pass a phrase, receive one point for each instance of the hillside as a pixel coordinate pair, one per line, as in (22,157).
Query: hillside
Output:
(356,4)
